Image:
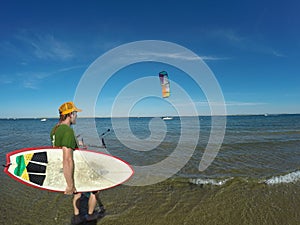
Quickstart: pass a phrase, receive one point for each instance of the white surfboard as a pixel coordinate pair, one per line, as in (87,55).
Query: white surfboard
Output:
(43,168)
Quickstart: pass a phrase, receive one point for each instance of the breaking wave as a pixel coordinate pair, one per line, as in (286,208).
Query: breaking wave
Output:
(203,181)
(287,178)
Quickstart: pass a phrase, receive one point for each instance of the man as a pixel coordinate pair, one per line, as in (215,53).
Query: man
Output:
(62,135)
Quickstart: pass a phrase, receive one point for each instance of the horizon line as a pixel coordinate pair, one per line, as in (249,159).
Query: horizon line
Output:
(175,116)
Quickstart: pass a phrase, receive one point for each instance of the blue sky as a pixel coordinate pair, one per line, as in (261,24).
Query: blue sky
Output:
(252,48)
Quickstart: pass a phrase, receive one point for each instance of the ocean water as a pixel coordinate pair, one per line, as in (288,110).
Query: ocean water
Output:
(254,179)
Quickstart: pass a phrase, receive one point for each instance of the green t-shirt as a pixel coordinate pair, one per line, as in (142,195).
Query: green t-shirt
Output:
(63,136)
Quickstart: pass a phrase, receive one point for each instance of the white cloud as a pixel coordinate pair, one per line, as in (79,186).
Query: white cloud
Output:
(5,79)
(44,46)
(32,79)
(179,55)
(247,43)
(244,103)
(275,53)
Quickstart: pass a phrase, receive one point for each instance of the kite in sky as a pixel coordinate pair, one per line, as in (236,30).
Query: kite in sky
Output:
(165,84)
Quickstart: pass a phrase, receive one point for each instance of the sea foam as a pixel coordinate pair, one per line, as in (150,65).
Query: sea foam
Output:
(202,181)
(288,178)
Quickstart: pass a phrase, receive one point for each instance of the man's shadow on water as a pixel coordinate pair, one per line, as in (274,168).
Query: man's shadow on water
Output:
(82,204)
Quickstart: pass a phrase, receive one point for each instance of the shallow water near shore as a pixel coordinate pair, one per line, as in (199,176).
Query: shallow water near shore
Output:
(169,202)
(254,179)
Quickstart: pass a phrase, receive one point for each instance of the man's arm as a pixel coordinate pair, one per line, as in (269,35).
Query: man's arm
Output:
(68,168)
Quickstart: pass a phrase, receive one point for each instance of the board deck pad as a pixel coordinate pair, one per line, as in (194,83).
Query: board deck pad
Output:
(43,168)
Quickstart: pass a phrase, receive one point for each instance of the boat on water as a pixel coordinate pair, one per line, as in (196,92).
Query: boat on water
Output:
(43,120)
(167,118)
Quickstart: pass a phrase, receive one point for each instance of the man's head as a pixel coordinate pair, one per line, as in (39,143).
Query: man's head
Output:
(68,110)
(68,107)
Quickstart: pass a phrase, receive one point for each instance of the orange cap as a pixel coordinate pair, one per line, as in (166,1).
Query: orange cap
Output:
(68,107)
